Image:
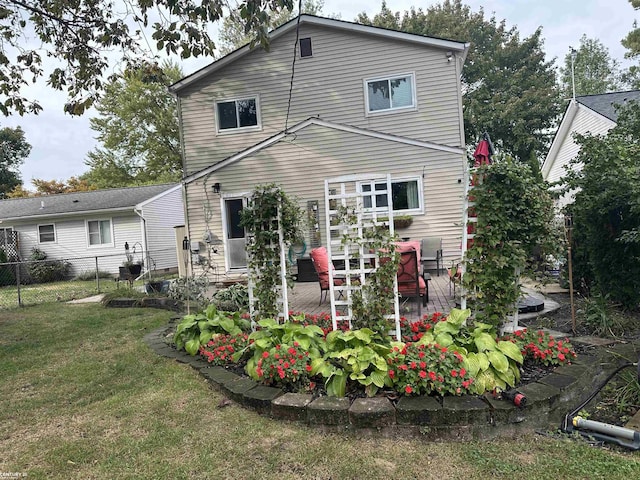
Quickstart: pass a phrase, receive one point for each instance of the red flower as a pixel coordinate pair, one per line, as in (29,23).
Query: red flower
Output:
(414,365)
(408,389)
(265,354)
(432,376)
(308,368)
(561,357)
(462,372)
(292,351)
(391,374)
(422,374)
(454,373)
(421,354)
(423,365)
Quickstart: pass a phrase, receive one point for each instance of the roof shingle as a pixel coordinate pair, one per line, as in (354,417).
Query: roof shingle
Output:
(605,104)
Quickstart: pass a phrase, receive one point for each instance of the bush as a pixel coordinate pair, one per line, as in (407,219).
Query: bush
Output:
(42,270)
(232,299)
(6,272)
(91,275)
(192,289)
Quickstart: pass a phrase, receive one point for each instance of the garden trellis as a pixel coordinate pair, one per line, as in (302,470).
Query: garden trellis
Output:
(355,206)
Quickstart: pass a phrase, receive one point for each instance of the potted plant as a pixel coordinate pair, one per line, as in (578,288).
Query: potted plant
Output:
(130,267)
(402,221)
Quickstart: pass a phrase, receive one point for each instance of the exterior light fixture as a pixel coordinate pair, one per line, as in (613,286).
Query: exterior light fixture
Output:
(216,187)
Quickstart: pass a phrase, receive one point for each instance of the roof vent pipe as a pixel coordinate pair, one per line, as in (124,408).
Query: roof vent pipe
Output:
(41,204)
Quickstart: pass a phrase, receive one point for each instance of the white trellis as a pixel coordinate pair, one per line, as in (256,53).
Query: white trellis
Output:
(282,298)
(347,216)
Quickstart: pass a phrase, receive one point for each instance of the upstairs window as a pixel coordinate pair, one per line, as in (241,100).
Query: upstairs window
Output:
(99,232)
(305,47)
(238,114)
(46,233)
(390,94)
(406,195)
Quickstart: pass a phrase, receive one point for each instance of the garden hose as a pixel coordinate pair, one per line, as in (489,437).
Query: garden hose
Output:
(299,254)
(625,437)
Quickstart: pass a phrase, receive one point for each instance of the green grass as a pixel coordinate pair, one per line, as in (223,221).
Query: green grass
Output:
(81,397)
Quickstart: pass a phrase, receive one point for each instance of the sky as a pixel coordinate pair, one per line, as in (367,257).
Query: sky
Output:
(60,143)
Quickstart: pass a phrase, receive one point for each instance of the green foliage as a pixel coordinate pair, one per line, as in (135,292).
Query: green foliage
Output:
(191,289)
(419,369)
(606,211)
(600,316)
(509,88)
(220,350)
(81,34)
(137,124)
(6,272)
(285,365)
(375,299)
(269,208)
(595,71)
(491,363)
(514,217)
(14,149)
(356,355)
(91,275)
(232,299)
(541,347)
(271,333)
(42,270)
(197,330)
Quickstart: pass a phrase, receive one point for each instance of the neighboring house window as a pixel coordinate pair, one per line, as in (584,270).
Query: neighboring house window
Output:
(406,195)
(390,94)
(305,47)
(99,232)
(46,233)
(238,114)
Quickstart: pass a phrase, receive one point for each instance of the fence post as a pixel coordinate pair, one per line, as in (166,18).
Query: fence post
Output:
(97,276)
(18,283)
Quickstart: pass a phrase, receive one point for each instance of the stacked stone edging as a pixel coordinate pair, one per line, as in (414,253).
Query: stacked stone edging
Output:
(447,418)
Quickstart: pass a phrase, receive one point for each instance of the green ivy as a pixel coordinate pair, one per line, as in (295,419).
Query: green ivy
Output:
(515,219)
(260,218)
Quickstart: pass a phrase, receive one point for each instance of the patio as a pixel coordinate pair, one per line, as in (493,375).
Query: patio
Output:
(304,297)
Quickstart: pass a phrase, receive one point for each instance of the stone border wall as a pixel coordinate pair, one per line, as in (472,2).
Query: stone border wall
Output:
(449,418)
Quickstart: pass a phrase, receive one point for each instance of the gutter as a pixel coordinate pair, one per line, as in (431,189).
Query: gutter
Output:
(68,214)
(145,247)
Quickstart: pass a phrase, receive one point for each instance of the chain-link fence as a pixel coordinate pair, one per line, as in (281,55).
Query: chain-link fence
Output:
(42,279)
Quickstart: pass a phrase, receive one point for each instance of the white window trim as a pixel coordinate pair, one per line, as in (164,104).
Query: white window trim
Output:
(231,131)
(8,227)
(414,211)
(101,245)
(55,233)
(414,99)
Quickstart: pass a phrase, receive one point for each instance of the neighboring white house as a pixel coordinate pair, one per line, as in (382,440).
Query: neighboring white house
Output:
(594,114)
(81,226)
(355,100)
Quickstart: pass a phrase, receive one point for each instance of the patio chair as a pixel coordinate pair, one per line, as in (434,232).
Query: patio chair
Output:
(410,283)
(320,258)
(431,251)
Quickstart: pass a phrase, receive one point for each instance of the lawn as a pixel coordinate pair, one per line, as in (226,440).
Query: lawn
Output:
(81,396)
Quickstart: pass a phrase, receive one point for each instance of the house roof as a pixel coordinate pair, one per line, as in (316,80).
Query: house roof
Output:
(451,45)
(605,104)
(80,202)
(322,123)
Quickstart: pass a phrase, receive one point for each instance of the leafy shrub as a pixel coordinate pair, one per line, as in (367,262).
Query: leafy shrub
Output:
(221,348)
(192,289)
(6,273)
(285,365)
(600,316)
(232,299)
(542,347)
(419,369)
(42,270)
(197,330)
(91,275)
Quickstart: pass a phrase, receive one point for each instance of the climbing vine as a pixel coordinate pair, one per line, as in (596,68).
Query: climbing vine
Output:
(515,219)
(260,217)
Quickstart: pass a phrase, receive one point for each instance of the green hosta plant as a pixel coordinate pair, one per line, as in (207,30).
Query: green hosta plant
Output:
(271,334)
(196,330)
(492,363)
(356,355)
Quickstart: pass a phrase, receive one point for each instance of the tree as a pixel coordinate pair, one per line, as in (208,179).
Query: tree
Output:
(83,35)
(594,70)
(606,210)
(632,43)
(14,148)
(509,89)
(51,187)
(233,35)
(138,128)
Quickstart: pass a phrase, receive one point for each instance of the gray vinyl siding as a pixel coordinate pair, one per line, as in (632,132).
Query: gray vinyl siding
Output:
(161,216)
(318,153)
(72,242)
(329,85)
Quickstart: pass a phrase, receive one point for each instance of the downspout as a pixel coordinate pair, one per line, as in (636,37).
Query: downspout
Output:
(465,175)
(145,249)
(185,204)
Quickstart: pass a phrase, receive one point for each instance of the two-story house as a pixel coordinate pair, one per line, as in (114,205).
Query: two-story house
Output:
(354,99)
